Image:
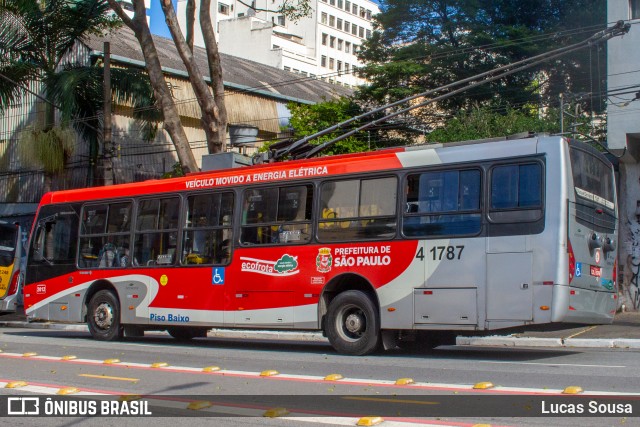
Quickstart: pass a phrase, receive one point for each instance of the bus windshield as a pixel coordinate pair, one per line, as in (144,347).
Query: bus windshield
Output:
(8,238)
(592,177)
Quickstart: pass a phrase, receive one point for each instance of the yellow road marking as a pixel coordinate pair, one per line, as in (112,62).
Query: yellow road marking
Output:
(109,378)
(582,332)
(380,399)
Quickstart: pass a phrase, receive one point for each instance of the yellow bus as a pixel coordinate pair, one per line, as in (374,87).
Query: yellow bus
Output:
(10,262)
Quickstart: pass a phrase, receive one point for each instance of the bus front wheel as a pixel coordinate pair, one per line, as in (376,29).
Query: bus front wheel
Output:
(352,324)
(103,317)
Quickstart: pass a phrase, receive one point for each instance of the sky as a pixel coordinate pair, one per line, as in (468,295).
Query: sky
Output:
(157,25)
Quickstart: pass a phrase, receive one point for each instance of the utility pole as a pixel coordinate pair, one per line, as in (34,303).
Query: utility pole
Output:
(107,144)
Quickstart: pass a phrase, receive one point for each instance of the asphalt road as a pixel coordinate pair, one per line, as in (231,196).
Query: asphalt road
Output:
(156,365)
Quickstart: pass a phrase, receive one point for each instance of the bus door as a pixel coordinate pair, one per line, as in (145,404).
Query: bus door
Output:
(515,212)
(447,203)
(10,257)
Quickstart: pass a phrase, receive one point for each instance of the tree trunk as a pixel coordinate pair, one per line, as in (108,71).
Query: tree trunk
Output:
(191,17)
(215,72)
(161,91)
(208,107)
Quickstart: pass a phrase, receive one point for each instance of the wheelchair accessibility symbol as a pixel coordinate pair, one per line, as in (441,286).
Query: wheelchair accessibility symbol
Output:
(218,276)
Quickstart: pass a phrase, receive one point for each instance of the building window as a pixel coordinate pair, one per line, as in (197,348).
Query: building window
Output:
(346,67)
(354,9)
(368,15)
(340,44)
(339,68)
(363,12)
(281,20)
(361,32)
(332,2)
(340,2)
(634,9)
(324,39)
(368,34)
(223,9)
(347,26)
(332,21)
(332,42)
(323,61)
(347,5)
(354,29)
(331,63)
(339,24)
(323,18)
(287,68)
(347,47)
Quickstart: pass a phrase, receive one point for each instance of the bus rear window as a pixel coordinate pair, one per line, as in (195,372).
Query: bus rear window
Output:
(592,177)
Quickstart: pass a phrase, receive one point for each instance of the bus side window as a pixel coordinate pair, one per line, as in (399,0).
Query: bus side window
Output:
(516,193)
(207,231)
(358,209)
(156,236)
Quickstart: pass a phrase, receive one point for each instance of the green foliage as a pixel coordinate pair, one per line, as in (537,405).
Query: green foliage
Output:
(35,39)
(488,123)
(309,119)
(48,148)
(423,44)
(176,171)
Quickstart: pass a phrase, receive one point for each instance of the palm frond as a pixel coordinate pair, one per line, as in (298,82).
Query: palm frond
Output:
(14,79)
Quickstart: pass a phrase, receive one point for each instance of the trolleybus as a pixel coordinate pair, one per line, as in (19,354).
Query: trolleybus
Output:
(389,247)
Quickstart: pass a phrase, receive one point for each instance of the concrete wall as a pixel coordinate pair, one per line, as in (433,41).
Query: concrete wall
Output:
(623,112)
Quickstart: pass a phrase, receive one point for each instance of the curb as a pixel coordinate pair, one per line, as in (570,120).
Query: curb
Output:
(502,341)
(490,341)
(213,333)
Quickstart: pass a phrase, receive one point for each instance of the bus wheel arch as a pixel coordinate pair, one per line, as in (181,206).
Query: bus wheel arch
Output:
(103,313)
(350,315)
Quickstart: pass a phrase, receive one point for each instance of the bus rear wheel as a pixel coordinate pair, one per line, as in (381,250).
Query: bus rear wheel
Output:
(353,326)
(103,317)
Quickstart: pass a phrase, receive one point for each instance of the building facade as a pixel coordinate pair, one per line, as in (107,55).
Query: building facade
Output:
(623,135)
(322,45)
(256,98)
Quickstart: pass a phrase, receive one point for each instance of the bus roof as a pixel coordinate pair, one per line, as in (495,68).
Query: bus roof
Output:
(387,159)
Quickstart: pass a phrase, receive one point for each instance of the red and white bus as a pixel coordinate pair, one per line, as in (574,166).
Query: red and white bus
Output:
(395,246)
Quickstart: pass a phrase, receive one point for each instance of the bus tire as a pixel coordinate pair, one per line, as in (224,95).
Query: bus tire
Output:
(353,325)
(103,317)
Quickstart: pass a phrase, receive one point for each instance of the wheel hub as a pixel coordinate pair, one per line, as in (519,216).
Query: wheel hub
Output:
(353,323)
(103,316)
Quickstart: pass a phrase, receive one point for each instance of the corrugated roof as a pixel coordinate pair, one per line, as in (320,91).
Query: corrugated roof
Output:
(237,73)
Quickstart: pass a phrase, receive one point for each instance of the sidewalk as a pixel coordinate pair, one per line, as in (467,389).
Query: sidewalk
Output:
(624,332)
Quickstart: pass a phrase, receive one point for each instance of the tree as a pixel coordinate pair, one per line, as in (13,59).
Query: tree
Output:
(423,44)
(309,119)
(487,122)
(35,39)
(210,97)
(161,91)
